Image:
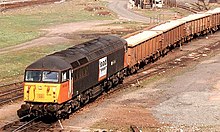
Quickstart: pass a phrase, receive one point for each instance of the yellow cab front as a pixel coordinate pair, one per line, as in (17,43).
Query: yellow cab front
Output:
(45,87)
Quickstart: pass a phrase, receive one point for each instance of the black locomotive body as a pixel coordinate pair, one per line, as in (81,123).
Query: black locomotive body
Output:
(65,80)
(96,60)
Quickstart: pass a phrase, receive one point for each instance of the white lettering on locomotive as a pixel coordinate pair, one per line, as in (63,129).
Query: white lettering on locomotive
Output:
(102,68)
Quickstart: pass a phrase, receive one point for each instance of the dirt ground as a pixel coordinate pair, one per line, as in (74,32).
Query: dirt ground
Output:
(56,34)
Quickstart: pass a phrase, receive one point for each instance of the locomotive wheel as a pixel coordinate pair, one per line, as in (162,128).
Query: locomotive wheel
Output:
(21,113)
(85,97)
(68,108)
(121,79)
(110,84)
(75,105)
(115,81)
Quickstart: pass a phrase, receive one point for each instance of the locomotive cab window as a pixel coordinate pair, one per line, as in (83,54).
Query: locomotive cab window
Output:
(33,76)
(65,76)
(49,76)
(41,76)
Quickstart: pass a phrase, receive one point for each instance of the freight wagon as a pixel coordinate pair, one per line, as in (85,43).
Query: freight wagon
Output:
(143,48)
(214,18)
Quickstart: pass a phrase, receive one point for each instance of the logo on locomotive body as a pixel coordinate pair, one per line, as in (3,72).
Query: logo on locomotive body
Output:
(102,68)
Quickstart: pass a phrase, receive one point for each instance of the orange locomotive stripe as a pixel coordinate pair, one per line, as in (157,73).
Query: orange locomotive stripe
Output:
(63,95)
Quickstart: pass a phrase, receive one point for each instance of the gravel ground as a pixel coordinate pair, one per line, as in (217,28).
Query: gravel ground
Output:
(196,99)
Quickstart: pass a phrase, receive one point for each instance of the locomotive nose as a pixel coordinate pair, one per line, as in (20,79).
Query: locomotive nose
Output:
(41,92)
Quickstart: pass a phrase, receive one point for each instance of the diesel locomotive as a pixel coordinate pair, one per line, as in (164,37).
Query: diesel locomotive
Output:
(62,82)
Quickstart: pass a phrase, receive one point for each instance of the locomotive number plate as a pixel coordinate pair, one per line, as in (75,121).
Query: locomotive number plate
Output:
(41,96)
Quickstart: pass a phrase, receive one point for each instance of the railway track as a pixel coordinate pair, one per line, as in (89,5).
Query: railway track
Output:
(17,4)
(34,124)
(10,92)
(10,85)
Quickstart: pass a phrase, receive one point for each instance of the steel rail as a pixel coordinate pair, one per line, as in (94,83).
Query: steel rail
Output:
(25,128)
(7,85)
(24,125)
(8,125)
(10,91)
(11,99)
(17,4)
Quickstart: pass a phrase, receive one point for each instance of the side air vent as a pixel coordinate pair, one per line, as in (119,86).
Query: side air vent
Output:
(83,61)
(75,64)
(100,52)
(87,43)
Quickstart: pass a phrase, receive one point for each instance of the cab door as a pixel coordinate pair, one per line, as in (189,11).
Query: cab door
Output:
(70,91)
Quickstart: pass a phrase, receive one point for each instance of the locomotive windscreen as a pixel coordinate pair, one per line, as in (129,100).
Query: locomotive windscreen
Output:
(41,76)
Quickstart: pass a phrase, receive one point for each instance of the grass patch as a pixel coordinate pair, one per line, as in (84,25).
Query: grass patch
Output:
(24,24)
(149,80)
(12,65)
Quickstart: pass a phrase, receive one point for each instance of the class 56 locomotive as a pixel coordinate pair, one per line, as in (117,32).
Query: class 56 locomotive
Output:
(63,81)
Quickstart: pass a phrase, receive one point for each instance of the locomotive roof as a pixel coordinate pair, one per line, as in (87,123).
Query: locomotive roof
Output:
(51,63)
(141,37)
(168,25)
(79,54)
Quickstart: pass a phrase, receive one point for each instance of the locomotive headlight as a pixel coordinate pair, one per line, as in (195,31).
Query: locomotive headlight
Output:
(54,89)
(48,89)
(27,89)
(40,87)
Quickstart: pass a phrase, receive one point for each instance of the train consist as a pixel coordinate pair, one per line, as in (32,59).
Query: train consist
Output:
(63,81)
